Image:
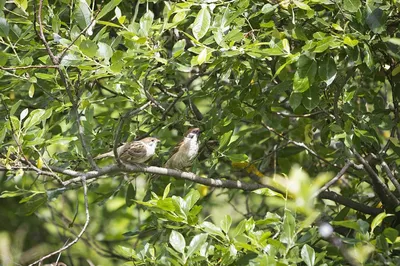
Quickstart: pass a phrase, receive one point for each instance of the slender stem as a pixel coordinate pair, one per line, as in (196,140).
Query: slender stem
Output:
(81,232)
(334,180)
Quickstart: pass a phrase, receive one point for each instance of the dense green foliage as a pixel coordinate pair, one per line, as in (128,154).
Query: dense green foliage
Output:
(288,95)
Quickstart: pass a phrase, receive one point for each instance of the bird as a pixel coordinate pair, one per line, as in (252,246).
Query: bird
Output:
(138,151)
(184,153)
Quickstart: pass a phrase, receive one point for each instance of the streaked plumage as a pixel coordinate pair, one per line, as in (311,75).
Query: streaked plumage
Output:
(134,152)
(185,152)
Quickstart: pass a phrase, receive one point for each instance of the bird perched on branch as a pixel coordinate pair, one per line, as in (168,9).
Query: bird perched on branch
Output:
(134,152)
(185,152)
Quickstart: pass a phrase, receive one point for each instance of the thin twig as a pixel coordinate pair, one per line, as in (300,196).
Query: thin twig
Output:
(334,180)
(146,92)
(390,175)
(53,58)
(299,144)
(81,232)
(165,113)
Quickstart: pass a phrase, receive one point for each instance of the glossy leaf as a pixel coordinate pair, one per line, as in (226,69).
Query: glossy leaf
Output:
(202,23)
(177,241)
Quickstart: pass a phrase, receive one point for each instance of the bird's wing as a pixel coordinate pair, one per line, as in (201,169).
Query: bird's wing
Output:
(132,150)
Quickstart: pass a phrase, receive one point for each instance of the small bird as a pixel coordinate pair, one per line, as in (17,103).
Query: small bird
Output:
(185,152)
(134,152)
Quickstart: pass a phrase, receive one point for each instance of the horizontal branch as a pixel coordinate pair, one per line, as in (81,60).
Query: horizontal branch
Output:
(106,171)
(215,183)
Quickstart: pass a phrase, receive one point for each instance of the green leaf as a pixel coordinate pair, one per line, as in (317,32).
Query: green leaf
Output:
(311,98)
(3,57)
(226,223)
(323,44)
(35,117)
(378,220)
(295,100)
(212,229)
(44,76)
(166,191)
(23,4)
(191,198)
(225,139)
(351,5)
(305,74)
(391,234)
(349,41)
(348,224)
(395,41)
(376,20)
(238,158)
(239,229)
(202,57)
(104,51)
(4,27)
(88,47)
(196,243)
(3,132)
(82,14)
(31,91)
(268,192)
(288,233)
(130,195)
(146,21)
(12,194)
(166,204)
(177,241)
(108,8)
(327,70)
(179,48)
(202,23)
(308,255)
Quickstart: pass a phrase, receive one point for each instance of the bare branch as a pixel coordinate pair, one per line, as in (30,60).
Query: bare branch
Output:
(81,232)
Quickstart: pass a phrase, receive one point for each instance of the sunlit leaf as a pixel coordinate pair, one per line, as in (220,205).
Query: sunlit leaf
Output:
(202,23)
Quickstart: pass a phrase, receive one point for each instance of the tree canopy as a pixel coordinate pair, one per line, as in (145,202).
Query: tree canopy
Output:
(297,101)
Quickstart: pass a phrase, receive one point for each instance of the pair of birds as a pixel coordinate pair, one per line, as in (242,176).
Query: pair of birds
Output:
(142,150)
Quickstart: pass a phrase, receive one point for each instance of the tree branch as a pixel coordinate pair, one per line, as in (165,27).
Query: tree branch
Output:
(333,196)
(53,58)
(383,192)
(334,180)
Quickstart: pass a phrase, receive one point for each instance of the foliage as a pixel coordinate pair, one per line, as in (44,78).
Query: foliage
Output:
(272,84)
